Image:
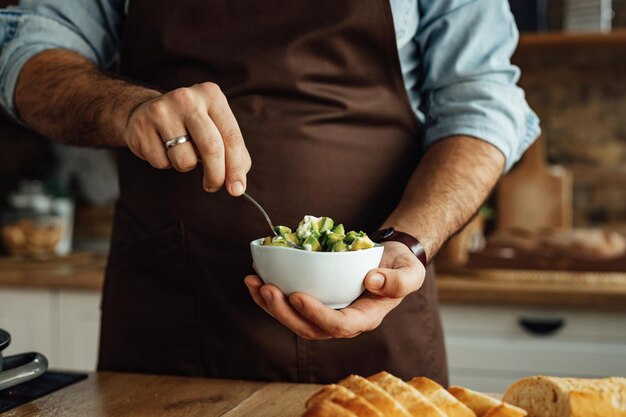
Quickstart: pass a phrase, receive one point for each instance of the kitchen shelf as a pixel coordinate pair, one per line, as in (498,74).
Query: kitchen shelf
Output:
(562,40)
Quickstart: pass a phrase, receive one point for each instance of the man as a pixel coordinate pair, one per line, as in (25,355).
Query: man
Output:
(342,115)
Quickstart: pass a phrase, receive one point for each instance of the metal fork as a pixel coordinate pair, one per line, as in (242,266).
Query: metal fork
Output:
(269,221)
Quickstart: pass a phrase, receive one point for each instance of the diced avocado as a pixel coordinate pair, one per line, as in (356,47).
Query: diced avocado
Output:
(333,238)
(282,230)
(361,243)
(312,244)
(317,234)
(325,223)
(324,236)
(293,238)
(350,237)
(339,246)
(279,241)
(339,229)
(309,226)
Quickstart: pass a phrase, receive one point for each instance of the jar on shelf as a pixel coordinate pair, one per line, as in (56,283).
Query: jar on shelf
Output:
(36,224)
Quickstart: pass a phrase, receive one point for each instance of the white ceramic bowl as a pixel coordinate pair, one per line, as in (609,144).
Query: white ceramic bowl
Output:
(334,278)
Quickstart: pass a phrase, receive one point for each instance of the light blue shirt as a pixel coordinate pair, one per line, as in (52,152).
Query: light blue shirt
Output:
(454,55)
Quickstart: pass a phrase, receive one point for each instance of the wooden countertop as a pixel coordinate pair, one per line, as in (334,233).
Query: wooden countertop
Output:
(119,394)
(83,271)
(607,291)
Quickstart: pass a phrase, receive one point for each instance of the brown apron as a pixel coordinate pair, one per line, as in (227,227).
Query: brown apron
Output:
(317,90)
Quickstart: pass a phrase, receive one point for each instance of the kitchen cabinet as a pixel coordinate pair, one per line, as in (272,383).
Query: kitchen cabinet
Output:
(26,315)
(56,312)
(61,324)
(489,347)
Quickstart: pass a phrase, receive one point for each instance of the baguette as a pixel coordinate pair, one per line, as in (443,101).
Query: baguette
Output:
(415,402)
(506,410)
(327,408)
(347,399)
(375,395)
(484,405)
(442,398)
(544,396)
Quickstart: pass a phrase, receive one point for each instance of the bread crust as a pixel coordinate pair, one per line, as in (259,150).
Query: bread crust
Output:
(478,402)
(414,401)
(347,399)
(378,397)
(447,402)
(505,410)
(327,408)
(544,396)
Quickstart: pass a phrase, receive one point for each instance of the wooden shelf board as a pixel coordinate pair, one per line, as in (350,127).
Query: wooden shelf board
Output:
(530,41)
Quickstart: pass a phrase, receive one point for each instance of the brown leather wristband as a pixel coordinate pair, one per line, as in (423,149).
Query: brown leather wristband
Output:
(391,234)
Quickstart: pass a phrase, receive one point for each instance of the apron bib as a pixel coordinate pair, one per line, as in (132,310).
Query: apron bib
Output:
(317,90)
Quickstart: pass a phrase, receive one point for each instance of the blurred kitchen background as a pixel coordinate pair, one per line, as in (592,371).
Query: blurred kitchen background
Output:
(535,284)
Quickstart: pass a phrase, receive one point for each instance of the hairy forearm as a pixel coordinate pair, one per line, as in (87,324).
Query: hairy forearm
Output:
(66,97)
(447,188)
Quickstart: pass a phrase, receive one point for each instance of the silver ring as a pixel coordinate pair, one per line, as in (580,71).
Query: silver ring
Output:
(176,141)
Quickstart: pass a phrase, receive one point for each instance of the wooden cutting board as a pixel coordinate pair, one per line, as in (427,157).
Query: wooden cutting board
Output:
(112,394)
(535,194)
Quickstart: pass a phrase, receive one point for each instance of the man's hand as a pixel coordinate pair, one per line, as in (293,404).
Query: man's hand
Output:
(66,97)
(400,273)
(202,112)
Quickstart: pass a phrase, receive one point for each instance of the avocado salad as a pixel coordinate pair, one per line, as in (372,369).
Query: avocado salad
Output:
(319,234)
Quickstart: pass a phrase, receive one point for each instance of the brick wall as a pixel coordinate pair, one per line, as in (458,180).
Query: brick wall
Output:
(580,95)
(556,10)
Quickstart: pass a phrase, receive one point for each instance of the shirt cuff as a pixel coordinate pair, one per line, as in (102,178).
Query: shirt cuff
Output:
(495,113)
(31,35)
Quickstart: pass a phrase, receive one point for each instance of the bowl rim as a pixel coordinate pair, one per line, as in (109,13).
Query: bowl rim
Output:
(257,242)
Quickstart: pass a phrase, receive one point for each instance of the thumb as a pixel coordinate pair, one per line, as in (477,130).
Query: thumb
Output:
(393,283)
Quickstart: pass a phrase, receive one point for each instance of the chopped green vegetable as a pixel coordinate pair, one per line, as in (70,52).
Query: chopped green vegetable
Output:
(293,238)
(276,241)
(350,237)
(320,234)
(339,246)
(339,229)
(312,244)
(282,230)
(333,238)
(361,243)
(309,226)
(325,223)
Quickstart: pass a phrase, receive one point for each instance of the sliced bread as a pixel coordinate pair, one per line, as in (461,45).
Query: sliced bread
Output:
(447,402)
(378,397)
(544,396)
(484,405)
(345,398)
(415,402)
(327,408)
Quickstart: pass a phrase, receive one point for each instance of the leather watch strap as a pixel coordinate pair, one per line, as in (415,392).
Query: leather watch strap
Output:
(391,234)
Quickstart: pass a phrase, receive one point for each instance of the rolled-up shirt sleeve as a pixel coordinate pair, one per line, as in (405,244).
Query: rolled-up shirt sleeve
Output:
(468,84)
(91,28)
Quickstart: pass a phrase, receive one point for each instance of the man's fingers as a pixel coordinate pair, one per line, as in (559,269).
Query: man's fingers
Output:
(183,157)
(208,141)
(202,112)
(147,145)
(283,311)
(394,283)
(254,285)
(344,323)
(270,299)
(237,158)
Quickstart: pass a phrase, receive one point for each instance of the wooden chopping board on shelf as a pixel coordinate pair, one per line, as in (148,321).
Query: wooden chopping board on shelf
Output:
(535,194)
